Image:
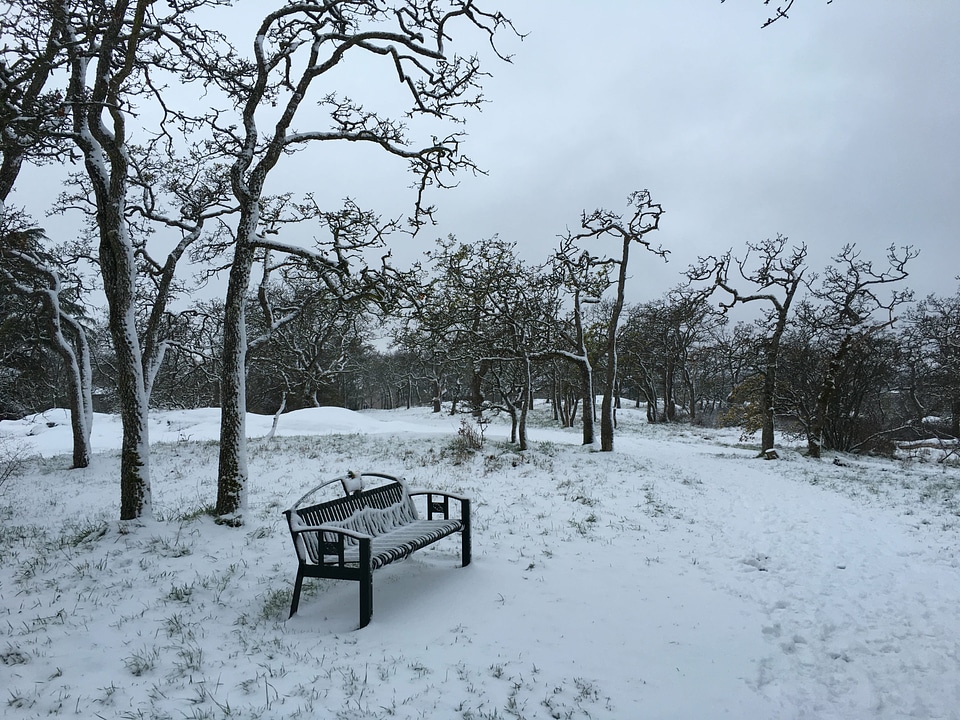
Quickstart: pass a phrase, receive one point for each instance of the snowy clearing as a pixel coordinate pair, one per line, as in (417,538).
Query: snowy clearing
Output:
(678,577)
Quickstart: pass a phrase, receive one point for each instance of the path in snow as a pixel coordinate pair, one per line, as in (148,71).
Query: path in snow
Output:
(861,612)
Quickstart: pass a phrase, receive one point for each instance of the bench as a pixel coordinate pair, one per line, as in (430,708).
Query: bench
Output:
(350,537)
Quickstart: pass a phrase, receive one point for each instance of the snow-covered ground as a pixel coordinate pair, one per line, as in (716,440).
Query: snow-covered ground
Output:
(678,577)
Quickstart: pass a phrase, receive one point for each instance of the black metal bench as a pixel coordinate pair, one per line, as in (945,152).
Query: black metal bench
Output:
(350,537)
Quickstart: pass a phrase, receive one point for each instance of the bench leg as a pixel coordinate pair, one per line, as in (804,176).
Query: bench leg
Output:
(296,592)
(366,584)
(466,548)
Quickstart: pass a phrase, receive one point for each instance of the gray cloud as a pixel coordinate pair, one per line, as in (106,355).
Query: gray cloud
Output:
(838,125)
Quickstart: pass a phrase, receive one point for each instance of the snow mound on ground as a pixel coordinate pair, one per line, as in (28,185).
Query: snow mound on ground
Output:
(48,433)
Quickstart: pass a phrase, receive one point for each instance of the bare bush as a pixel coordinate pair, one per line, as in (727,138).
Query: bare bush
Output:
(14,456)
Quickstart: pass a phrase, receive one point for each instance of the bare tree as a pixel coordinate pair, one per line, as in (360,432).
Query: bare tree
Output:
(26,269)
(486,310)
(851,312)
(642,217)
(185,195)
(305,355)
(31,114)
(933,337)
(661,341)
(584,277)
(294,47)
(111,50)
(777,277)
(31,121)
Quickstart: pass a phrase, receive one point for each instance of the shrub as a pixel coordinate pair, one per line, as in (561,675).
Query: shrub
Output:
(14,456)
(469,439)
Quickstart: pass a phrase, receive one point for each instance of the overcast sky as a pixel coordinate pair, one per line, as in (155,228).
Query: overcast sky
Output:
(839,125)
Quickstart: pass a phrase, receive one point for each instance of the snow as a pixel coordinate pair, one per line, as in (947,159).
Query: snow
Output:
(678,577)
(352,482)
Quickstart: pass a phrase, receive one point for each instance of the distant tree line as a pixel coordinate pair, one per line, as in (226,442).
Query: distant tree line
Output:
(858,362)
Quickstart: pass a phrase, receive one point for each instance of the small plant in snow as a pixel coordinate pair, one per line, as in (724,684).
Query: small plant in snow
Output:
(181,593)
(18,699)
(190,660)
(276,604)
(14,456)
(165,547)
(469,439)
(13,656)
(472,433)
(75,535)
(142,661)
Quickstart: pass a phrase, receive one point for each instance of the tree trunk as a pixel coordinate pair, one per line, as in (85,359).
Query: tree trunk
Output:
(828,389)
(669,397)
(437,394)
(118,268)
(574,405)
(606,423)
(232,474)
(649,390)
(276,417)
(589,403)
(610,380)
(94,96)
(767,393)
(76,358)
(525,406)
(556,394)
(691,395)
(476,388)
(69,341)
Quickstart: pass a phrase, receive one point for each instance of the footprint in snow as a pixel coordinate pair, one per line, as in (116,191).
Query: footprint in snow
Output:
(758,562)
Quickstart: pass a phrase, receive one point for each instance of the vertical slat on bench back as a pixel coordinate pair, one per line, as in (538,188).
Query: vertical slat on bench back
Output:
(384,496)
(329,512)
(389,495)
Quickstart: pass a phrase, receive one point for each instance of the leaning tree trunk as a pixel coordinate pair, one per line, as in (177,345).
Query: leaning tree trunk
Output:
(76,358)
(610,380)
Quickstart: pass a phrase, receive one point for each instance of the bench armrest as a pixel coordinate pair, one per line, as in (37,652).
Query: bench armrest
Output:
(325,547)
(453,496)
(330,529)
(441,505)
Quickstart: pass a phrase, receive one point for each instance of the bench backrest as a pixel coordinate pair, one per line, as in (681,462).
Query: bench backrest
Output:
(372,512)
